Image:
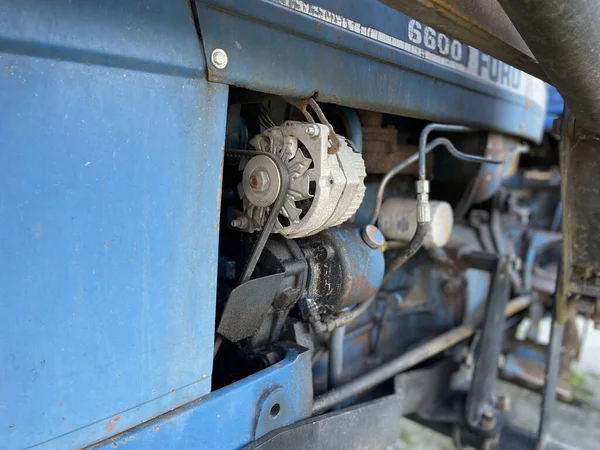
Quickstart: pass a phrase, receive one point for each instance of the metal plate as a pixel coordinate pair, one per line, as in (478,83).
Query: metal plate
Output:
(109,202)
(231,417)
(357,53)
(247,306)
(372,425)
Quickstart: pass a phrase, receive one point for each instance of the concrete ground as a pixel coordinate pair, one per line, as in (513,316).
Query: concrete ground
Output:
(576,426)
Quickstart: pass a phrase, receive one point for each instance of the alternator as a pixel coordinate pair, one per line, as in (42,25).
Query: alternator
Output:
(325,189)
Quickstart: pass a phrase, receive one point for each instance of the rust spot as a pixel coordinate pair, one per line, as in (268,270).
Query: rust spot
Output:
(115,444)
(123,440)
(110,425)
(106,244)
(172,391)
(155,427)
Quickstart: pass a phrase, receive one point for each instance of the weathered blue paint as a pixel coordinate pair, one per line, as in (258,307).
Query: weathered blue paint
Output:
(110,168)
(277,50)
(525,362)
(365,265)
(400,331)
(233,416)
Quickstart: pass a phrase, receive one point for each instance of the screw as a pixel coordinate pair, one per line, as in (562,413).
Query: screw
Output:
(373,237)
(312,130)
(219,58)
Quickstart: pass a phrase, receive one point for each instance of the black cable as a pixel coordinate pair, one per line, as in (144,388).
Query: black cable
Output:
(407,252)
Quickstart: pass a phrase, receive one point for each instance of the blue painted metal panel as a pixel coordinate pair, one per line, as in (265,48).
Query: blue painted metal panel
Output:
(110,168)
(275,49)
(233,416)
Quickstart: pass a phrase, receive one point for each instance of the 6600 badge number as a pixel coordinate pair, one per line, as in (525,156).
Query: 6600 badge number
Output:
(433,41)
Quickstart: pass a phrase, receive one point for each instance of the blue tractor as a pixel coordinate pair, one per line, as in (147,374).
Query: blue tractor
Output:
(282,223)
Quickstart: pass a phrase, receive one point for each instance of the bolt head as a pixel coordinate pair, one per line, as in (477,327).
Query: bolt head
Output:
(219,59)
(373,237)
(240,222)
(312,130)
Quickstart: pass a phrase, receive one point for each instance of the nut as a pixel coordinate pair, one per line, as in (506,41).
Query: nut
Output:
(313,130)
(219,58)
(259,181)
(488,420)
(422,186)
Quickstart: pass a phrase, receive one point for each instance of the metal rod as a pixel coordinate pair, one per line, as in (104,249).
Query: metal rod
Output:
(485,373)
(336,356)
(406,361)
(425,135)
(551,380)
(552,373)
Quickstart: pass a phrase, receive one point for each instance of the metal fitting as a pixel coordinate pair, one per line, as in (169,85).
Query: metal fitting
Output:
(259,181)
(488,420)
(240,222)
(422,186)
(503,403)
(313,130)
(516,263)
(423,206)
(219,58)
(423,212)
(373,237)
